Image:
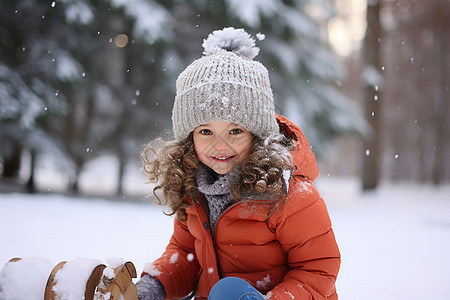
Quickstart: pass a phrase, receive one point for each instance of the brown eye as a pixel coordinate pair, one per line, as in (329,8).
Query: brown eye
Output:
(205,132)
(235,131)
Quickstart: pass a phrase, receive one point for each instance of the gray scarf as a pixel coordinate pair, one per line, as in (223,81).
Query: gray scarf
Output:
(216,189)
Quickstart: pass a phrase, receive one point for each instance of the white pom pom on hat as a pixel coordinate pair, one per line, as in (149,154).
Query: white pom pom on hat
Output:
(233,40)
(225,84)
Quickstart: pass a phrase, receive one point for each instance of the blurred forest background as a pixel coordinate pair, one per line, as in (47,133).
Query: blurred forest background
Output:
(367,81)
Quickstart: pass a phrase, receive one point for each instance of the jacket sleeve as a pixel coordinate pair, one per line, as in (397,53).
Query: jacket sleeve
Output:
(177,268)
(303,228)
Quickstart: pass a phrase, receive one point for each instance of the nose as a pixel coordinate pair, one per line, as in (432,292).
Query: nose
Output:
(221,144)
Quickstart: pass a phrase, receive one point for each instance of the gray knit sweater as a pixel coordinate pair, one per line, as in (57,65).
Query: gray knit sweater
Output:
(216,189)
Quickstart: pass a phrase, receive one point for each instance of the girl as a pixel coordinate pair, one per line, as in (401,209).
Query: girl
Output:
(249,222)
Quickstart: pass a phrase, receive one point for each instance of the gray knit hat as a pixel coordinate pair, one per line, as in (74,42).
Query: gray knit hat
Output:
(225,84)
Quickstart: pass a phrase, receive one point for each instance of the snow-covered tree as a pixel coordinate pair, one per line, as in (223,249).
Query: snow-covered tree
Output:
(64,74)
(28,72)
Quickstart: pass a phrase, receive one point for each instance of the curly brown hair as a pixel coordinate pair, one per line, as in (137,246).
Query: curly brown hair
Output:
(172,165)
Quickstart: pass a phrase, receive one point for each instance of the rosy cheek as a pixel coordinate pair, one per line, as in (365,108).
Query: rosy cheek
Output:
(244,146)
(197,146)
(200,151)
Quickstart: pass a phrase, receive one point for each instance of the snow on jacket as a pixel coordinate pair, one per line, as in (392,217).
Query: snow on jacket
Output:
(293,255)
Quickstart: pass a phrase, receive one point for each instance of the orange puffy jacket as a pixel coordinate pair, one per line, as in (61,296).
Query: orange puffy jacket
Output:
(293,255)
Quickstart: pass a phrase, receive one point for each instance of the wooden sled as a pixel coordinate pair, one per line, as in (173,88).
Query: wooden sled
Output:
(120,284)
(103,283)
(91,284)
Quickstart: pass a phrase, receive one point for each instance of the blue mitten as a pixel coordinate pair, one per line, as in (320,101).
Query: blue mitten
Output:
(150,288)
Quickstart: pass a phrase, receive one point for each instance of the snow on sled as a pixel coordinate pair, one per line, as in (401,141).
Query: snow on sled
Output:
(35,278)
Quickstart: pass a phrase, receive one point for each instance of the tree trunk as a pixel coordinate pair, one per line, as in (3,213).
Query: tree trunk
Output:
(441,122)
(31,186)
(75,184)
(372,155)
(121,174)
(11,164)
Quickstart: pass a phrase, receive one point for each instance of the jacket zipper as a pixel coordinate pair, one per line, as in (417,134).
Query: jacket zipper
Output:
(219,270)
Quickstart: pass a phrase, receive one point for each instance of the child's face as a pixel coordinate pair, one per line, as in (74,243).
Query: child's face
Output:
(222,145)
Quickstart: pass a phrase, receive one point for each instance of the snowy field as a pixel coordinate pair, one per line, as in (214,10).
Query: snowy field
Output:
(395,242)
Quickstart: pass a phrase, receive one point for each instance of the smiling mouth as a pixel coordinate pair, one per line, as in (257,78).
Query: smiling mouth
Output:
(222,158)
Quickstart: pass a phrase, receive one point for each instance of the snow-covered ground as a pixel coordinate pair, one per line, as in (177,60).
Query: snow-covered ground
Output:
(395,242)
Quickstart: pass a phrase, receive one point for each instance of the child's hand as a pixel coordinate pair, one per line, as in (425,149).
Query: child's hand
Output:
(150,288)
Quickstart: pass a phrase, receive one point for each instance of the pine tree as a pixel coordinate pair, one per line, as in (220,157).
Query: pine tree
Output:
(64,83)
(27,75)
